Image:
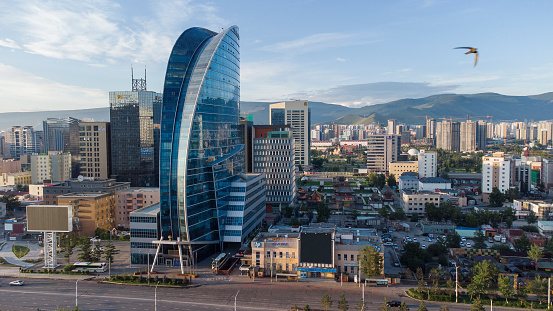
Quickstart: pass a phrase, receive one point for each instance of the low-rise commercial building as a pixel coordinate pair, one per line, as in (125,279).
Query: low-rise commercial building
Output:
(91,211)
(414,201)
(408,182)
(80,185)
(145,228)
(433,183)
(131,199)
(12,179)
(545,227)
(400,167)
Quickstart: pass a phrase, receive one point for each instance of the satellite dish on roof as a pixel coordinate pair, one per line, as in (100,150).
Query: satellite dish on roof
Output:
(80,178)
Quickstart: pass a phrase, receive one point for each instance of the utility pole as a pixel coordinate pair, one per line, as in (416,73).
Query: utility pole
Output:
(549,293)
(456,283)
(341,279)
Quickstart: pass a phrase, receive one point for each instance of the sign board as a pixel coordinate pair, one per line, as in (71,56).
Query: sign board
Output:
(49,218)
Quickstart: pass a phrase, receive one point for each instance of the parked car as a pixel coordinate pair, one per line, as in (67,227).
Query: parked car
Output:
(396,263)
(17,283)
(388,244)
(463,239)
(468,245)
(414,239)
(423,246)
(394,303)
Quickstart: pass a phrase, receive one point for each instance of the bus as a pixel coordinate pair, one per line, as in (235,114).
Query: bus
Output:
(218,261)
(90,266)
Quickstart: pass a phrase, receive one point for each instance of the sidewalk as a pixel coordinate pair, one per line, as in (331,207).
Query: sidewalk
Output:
(14,272)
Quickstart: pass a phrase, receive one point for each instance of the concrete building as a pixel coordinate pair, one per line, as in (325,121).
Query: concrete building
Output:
(276,252)
(392,127)
(53,166)
(274,155)
(95,149)
(433,183)
(36,191)
(74,185)
(62,134)
(437,228)
(428,164)
(545,228)
(400,167)
(413,202)
(547,173)
(132,199)
(246,207)
(10,166)
(448,135)
(91,211)
(12,179)
(322,145)
(145,228)
(468,135)
(481,135)
(298,115)
(381,150)
(496,172)
(408,182)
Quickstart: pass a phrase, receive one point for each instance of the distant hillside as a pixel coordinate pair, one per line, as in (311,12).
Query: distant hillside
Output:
(410,111)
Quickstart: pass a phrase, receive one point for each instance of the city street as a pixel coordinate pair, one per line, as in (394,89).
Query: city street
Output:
(262,295)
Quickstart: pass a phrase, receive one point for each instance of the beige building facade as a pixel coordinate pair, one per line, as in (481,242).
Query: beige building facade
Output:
(90,211)
(12,179)
(398,168)
(94,148)
(132,199)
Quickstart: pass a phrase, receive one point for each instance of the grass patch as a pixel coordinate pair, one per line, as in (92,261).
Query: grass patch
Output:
(20,251)
(32,260)
(133,279)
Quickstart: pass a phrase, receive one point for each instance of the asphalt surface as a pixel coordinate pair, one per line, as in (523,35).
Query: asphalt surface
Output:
(42,294)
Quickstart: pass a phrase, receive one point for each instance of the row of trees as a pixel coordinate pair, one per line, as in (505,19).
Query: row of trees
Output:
(70,241)
(448,212)
(12,202)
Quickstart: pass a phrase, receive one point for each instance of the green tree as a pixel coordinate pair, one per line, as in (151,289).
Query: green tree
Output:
(433,213)
(536,254)
(372,179)
(361,306)
(12,202)
(391,181)
(306,308)
(444,308)
(370,261)
(496,197)
(531,218)
(110,251)
(484,273)
(354,214)
(326,301)
(453,240)
(538,286)
(380,181)
(479,240)
(384,306)
(512,194)
(522,244)
(86,251)
(477,305)
(422,307)
(549,246)
(403,306)
(323,212)
(96,253)
(506,287)
(343,303)
(68,243)
(288,211)
(295,308)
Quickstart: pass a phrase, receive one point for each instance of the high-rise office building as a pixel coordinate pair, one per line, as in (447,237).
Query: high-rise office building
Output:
(94,148)
(381,150)
(481,135)
(273,155)
(201,151)
(25,140)
(428,164)
(448,135)
(132,136)
(298,115)
(246,136)
(468,136)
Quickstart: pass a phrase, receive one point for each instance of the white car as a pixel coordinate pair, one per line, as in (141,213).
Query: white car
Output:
(17,283)
(463,239)
(414,239)
(389,244)
(468,245)
(462,244)
(423,246)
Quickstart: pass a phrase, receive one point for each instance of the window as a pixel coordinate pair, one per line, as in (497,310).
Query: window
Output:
(339,256)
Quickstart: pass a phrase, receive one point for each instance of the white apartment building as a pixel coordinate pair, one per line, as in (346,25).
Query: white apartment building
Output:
(496,172)
(54,166)
(381,150)
(428,164)
(298,115)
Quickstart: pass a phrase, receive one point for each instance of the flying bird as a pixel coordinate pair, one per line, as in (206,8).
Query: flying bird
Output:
(471,50)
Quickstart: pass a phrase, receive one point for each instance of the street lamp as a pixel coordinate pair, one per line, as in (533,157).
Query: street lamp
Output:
(235,299)
(77,293)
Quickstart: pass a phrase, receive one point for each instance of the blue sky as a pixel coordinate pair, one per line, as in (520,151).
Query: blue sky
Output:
(69,54)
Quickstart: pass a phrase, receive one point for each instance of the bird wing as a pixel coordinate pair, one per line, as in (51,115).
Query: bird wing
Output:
(475,58)
(464,47)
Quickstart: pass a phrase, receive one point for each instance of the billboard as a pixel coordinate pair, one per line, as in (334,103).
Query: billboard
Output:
(49,218)
(316,248)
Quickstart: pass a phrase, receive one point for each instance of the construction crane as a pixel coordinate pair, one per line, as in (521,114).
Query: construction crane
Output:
(486,116)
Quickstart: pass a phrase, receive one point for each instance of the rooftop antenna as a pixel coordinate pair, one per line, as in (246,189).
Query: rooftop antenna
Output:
(138,84)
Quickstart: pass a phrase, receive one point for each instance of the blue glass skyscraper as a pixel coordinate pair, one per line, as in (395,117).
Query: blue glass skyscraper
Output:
(201,151)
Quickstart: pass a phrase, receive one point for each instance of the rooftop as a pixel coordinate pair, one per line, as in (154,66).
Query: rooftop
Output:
(150,210)
(434,180)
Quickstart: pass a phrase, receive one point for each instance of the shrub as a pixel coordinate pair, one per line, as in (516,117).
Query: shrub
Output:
(68,268)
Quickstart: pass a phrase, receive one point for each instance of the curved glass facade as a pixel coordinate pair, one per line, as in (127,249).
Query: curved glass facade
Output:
(201,152)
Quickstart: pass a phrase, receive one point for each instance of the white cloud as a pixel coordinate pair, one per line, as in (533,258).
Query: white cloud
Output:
(340,59)
(98,31)
(316,42)
(22,91)
(9,43)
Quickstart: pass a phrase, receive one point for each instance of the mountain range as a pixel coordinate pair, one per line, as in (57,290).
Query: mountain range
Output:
(483,106)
